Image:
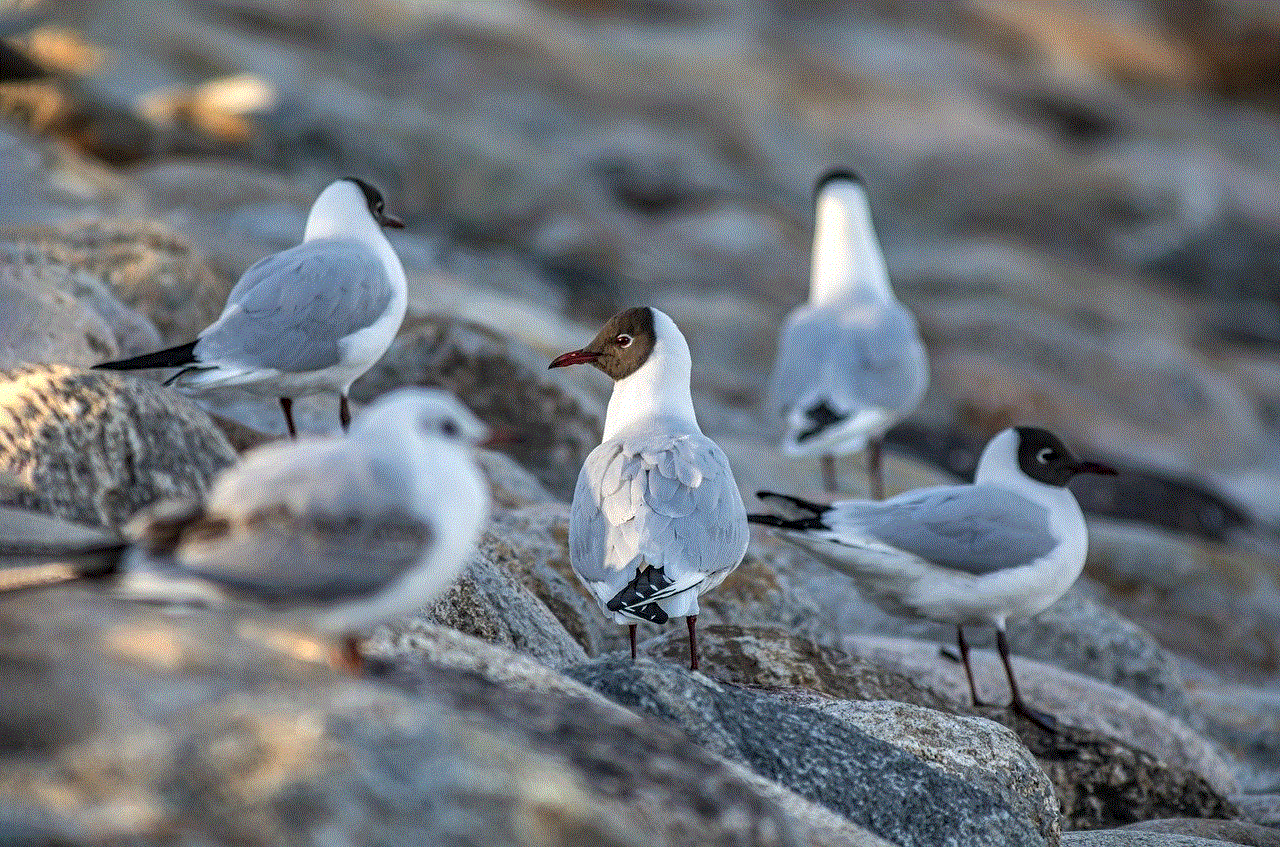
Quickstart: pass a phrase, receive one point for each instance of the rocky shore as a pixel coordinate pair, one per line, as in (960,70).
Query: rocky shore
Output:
(1079,203)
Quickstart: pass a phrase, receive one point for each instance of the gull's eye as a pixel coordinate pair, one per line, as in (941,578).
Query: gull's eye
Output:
(622,340)
(450,428)
(1046,455)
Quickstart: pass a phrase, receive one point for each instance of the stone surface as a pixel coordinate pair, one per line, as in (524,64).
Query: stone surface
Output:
(148,266)
(96,447)
(874,784)
(503,382)
(1113,759)
(1231,832)
(978,751)
(1135,838)
(200,728)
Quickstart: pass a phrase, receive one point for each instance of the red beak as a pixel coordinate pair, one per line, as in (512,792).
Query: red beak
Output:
(391,221)
(574,357)
(1095,467)
(498,437)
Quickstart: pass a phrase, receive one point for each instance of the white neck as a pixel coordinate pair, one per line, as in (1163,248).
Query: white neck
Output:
(847,263)
(659,388)
(342,212)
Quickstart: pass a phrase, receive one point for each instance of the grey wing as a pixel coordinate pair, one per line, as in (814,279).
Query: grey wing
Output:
(290,311)
(840,356)
(973,528)
(669,499)
(329,526)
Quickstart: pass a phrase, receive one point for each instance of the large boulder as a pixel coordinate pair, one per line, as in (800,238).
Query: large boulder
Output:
(893,793)
(96,447)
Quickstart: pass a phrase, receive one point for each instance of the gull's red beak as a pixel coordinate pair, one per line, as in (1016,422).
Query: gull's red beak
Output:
(574,357)
(1095,467)
(498,437)
(391,221)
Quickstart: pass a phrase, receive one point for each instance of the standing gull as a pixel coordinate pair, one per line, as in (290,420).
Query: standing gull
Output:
(309,319)
(850,362)
(656,518)
(1007,546)
(339,531)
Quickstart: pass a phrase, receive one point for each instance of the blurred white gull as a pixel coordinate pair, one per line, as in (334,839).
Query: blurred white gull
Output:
(850,363)
(1007,546)
(333,532)
(657,518)
(308,319)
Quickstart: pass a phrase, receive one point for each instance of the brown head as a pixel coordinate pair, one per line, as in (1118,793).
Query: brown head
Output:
(620,348)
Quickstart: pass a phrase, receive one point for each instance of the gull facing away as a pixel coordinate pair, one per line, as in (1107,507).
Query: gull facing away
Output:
(339,531)
(308,319)
(1007,546)
(657,518)
(850,362)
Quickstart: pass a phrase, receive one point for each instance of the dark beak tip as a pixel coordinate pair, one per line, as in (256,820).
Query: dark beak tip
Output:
(1096,468)
(573,357)
(392,221)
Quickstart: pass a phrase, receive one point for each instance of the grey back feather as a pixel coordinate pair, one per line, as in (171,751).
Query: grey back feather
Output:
(290,311)
(830,352)
(977,529)
(668,500)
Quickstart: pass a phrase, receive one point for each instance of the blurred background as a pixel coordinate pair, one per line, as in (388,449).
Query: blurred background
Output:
(1078,200)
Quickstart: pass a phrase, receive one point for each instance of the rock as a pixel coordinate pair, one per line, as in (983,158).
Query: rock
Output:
(769,658)
(1232,832)
(976,750)
(96,447)
(1113,760)
(204,729)
(1261,809)
(47,324)
(49,184)
(1121,838)
(891,793)
(487,602)
(148,266)
(503,383)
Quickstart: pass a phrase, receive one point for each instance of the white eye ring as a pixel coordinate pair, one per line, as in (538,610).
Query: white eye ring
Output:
(623,340)
(1044,454)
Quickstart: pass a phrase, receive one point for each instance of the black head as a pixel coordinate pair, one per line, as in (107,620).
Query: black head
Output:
(621,347)
(1044,458)
(377,205)
(834,175)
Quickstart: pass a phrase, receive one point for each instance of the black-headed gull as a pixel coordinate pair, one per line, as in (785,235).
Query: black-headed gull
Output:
(337,532)
(657,518)
(850,363)
(1007,546)
(309,319)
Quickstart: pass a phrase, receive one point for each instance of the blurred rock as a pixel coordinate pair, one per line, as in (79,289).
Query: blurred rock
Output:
(1126,838)
(145,263)
(209,732)
(43,183)
(96,447)
(504,383)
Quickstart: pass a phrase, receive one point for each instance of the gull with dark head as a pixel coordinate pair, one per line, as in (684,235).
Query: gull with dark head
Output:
(657,518)
(306,320)
(1007,546)
(850,363)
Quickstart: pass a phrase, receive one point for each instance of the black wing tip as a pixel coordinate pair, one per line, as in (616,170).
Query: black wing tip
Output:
(836,174)
(173,357)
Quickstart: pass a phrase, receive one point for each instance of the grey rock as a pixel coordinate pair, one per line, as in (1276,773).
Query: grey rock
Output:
(1262,808)
(502,382)
(489,603)
(980,752)
(96,447)
(874,784)
(145,263)
(1113,760)
(1232,832)
(48,325)
(1135,838)
(49,184)
(201,728)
